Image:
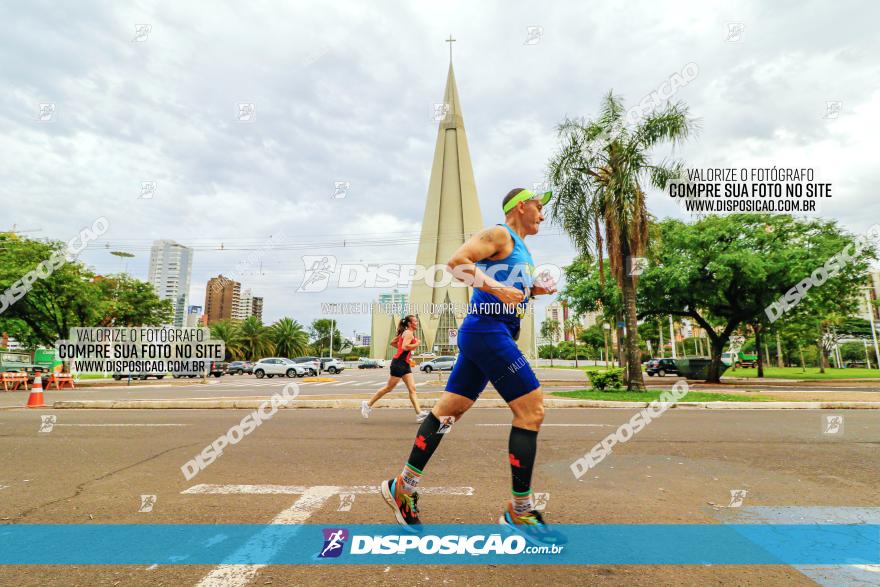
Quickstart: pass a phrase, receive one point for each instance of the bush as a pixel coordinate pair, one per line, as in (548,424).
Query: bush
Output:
(609,380)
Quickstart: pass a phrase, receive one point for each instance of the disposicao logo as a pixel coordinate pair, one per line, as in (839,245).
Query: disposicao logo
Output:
(334,541)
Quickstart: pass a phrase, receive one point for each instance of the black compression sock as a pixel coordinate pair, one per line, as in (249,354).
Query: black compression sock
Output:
(522,447)
(427,441)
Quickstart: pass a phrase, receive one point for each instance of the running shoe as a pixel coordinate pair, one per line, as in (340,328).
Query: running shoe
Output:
(405,505)
(531,526)
(365,409)
(422,415)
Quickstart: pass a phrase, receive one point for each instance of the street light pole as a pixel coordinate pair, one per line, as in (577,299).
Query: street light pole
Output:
(873,331)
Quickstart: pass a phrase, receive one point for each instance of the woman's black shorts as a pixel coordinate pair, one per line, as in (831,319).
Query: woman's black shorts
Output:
(400,368)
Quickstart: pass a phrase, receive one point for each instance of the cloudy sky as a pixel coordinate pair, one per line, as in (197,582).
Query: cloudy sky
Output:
(343,91)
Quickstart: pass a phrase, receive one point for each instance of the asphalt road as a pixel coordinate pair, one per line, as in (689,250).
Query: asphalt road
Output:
(364,382)
(93,466)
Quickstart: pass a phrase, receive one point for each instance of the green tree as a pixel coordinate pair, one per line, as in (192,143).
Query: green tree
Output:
(593,339)
(320,332)
(66,294)
(550,331)
(289,337)
(131,302)
(573,327)
(725,271)
(228,332)
(256,340)
(599,173)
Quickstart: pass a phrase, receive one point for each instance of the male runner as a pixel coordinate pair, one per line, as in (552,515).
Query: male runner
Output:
(498,265)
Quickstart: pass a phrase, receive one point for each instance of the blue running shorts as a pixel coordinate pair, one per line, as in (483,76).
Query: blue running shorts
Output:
(489,353)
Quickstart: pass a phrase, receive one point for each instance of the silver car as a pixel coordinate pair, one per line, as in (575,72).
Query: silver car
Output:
(272,366)
(444,363)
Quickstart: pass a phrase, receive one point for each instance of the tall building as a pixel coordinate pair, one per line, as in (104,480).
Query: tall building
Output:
(395,298)
(221,299)
(169,274)
(193,316)
(452,214)
(244,309)
(871,290)
(257,308)
(559,312)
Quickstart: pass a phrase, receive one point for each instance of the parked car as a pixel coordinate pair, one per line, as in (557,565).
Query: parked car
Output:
(312,364)
(272,366)
(119,375)
(661,367)
(739,359)
(332,365)
(218,368)
(369,364)
(239,367)
(444,363)
(188,374)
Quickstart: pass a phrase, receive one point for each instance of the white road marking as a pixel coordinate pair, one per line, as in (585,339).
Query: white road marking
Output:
(206,488)
(541,500)
(311,500)
(346,500)
(114,425)
(239,575)
(560,425)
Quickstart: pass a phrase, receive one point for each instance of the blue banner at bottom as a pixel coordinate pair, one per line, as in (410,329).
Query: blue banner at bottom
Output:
(196,544)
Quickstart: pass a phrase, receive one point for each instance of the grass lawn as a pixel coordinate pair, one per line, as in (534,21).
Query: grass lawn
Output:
(580,368)
(651,395)
(811,373)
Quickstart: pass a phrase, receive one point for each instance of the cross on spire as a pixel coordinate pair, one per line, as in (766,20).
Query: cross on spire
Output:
(450,40)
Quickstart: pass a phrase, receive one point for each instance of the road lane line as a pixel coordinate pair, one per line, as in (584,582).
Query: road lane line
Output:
(207,488)
(559,425)
(311,500)
(112,425)
(240,575)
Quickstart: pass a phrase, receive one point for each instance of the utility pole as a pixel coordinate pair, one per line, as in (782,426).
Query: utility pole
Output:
(873,329)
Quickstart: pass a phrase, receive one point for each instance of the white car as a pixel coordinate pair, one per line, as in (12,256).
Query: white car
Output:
(272,366)
(332,366)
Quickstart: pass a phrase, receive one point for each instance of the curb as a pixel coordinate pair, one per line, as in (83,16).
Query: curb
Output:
(249,404)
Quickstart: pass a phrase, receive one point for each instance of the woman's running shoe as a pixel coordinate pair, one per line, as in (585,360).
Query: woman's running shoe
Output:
(422,415)
(365,409)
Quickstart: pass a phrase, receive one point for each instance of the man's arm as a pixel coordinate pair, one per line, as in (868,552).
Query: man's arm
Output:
(483,245)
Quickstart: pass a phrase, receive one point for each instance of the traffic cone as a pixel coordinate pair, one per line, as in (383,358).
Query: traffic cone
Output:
(35,399)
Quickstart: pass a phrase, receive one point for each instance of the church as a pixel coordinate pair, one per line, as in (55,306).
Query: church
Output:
(452,215)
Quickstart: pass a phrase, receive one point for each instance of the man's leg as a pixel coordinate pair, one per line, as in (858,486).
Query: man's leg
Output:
(528,414)
(428,437)
(465,384)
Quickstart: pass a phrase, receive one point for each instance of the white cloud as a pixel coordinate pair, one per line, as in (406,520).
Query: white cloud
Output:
(343,92)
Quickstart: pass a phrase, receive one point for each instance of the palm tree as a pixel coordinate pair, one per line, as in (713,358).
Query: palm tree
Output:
(228,332)
(573,327)
(255,339)
(598,174)
(289,337)
(549,330)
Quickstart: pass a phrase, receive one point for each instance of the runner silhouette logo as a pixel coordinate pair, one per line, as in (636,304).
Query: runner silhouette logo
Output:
(334,541)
